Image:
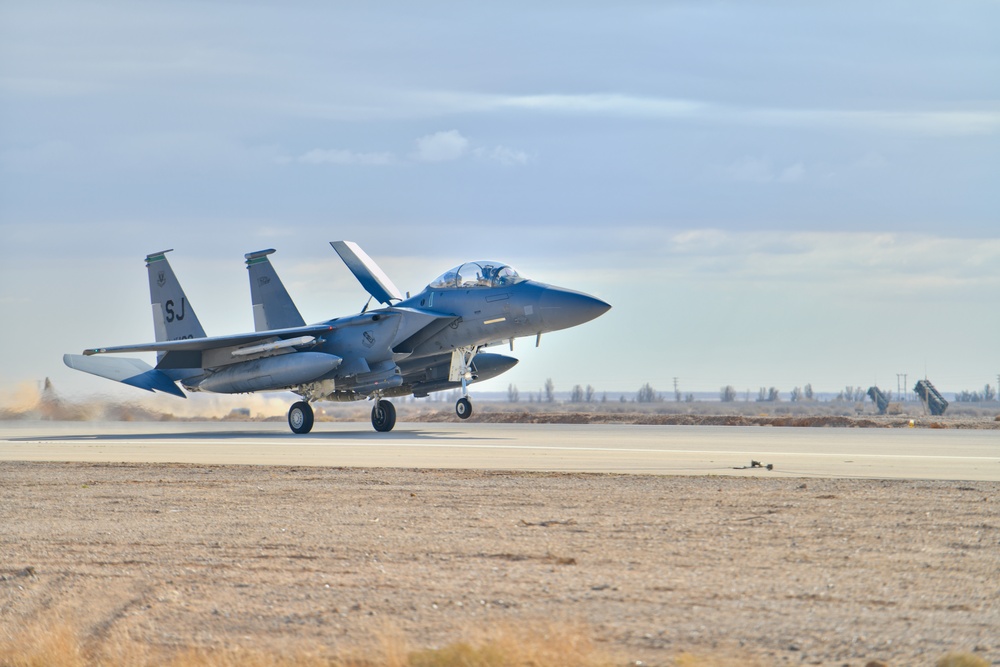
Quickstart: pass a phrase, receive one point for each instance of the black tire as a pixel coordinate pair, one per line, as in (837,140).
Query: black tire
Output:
(463,408)
(384,416)
(300,417)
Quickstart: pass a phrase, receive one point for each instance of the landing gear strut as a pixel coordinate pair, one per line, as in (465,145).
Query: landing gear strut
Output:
(300,417)
(383,416)
(461,369)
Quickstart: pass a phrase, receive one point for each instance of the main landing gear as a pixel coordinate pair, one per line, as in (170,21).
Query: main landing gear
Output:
(383,416)
(300,417)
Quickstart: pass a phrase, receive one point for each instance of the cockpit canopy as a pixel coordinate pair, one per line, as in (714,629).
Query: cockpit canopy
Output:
(477,274)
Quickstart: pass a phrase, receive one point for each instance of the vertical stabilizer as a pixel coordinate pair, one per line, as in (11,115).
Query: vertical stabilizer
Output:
(272,307)
(173,316)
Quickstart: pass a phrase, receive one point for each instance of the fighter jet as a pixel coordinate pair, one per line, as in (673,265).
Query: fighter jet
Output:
(416,345)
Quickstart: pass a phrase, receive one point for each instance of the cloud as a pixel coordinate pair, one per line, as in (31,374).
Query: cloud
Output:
(917,265)
(871,160)
(949,122)
(958,122)
(792,174)
(341,156)
(760,170)
(438,147)
(49,86)
(751,170)
(607,104)
(441,147)
(46,155)
(508,157)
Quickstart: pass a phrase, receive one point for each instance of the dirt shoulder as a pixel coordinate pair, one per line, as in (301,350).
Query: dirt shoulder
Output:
(512,416)
(827,572)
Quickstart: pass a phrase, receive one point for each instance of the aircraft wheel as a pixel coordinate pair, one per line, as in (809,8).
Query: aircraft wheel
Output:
(384,416)
(463,408)
(300,417)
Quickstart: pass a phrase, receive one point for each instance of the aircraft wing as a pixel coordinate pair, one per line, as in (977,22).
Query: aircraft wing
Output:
(368,273)
(215,342)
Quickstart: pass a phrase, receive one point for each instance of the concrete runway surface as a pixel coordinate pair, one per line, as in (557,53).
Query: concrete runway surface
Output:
(604,448)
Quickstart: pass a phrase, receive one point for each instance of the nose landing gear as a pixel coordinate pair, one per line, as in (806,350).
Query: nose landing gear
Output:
(461,369)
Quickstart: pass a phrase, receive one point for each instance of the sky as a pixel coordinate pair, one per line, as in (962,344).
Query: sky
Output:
(768,193)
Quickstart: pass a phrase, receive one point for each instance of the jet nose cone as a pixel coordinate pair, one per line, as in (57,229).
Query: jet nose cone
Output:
(563,308)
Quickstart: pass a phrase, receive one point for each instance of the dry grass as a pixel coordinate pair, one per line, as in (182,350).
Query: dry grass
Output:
(961,660)
(537,645)
(689,660)
(44,645)
(56,644)
(544,645)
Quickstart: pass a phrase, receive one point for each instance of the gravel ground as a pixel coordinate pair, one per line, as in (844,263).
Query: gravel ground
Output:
(794,571)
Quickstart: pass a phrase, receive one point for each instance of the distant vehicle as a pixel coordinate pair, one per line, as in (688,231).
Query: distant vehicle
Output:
(429,342)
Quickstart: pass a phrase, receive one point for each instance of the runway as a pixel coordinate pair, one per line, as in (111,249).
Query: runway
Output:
(605,448)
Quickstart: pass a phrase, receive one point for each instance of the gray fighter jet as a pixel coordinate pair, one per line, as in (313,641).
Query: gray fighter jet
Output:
(429,342)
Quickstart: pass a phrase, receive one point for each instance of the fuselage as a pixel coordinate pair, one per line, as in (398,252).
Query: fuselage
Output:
(406,348)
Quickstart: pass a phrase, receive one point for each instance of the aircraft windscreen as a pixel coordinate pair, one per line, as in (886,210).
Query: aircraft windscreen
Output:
(477,274)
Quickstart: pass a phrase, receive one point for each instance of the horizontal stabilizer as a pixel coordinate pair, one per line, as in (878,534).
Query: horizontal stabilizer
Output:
(368,273)
(133,372)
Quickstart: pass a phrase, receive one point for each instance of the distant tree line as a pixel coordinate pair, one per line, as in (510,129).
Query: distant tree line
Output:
(581,395)
(771,395)
(647,394)
(851,394)
(727,394)
(802,394)
(548,394)
(988,394)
